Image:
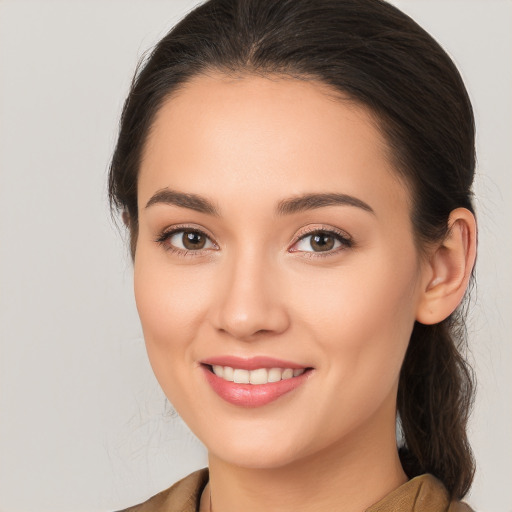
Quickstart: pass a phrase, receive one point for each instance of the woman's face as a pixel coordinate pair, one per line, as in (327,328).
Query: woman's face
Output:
(274,233)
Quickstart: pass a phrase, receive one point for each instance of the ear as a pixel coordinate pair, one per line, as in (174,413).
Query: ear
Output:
(126,218)
(448,269)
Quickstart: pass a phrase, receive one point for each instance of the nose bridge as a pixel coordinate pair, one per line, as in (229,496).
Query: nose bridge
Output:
(250,301)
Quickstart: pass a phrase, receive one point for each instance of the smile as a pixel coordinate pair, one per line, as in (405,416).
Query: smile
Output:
(257,376)
(253,382)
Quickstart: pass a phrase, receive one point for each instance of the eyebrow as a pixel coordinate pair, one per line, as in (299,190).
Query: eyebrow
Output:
(190,201)
(285,207)
(313,201)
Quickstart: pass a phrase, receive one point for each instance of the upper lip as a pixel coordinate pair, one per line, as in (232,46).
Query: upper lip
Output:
(251,363)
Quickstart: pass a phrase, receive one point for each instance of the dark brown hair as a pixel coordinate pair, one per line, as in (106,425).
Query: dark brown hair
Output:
(379,57)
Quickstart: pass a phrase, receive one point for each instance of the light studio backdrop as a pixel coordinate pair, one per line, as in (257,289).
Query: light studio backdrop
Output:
(83,424)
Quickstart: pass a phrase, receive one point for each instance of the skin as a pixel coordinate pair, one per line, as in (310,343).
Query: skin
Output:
(246,144)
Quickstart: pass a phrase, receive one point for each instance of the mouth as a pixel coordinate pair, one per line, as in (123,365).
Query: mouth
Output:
(257,376)
(255,382)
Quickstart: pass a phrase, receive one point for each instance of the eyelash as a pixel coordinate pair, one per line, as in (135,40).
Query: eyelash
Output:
(164,237)
(342,237)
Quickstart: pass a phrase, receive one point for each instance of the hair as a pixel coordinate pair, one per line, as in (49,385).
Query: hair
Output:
(380,58)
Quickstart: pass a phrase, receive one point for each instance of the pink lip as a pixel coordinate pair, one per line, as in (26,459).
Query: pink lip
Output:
(251,363)
(253,395)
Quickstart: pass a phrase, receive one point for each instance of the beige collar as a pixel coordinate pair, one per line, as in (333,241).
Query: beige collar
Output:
(424,493)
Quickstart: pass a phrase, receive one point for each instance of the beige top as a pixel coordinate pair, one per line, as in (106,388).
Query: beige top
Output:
(424,493)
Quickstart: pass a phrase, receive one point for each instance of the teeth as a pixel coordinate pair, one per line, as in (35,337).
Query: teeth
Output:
(258,376)
(274,375)
(218,370)
(287,374)
(241,376)
(228,373)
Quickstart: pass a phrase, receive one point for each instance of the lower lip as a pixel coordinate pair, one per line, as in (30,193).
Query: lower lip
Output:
(253,395)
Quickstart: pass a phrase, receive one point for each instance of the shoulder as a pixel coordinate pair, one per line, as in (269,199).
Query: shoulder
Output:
(459,506)
(183,496)
(424,493)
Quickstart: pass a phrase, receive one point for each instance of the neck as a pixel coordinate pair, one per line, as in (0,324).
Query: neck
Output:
(341,479)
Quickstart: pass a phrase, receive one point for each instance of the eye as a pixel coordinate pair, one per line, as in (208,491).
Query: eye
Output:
(186,240)
(322,241)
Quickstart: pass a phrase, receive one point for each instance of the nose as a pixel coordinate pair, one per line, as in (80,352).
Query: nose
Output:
(251,301)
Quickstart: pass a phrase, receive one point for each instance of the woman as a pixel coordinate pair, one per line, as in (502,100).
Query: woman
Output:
(296,178)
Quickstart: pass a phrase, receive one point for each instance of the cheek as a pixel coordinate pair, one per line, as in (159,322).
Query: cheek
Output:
(171,302)
(363,317)
(369,296)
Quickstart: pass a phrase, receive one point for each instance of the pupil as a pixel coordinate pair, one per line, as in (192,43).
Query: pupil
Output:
(322,242)
(193,240)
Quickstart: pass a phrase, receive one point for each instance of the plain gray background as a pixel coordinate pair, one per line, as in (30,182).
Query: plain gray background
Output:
(83,424)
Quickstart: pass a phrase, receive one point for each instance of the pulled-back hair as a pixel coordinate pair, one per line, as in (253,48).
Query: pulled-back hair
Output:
(373,53)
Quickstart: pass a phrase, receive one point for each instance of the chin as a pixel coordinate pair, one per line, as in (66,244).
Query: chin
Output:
(256,459)
(253,451)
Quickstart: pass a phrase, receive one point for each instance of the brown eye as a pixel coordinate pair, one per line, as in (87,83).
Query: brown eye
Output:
(193,240)
(186,240)
(322,242)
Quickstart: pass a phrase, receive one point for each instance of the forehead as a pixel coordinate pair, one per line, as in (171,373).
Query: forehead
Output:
(271,136)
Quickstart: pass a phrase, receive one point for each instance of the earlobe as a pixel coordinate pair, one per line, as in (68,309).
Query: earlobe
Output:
(449,269)
(126,218)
